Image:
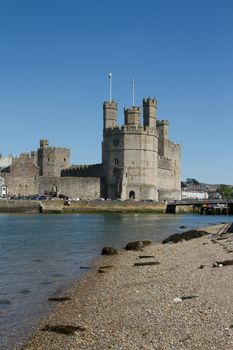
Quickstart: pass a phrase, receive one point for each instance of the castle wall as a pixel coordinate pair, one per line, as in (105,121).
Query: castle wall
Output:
(93,170)
(21,176)
(74,187)
(140,163)
(130,162)
(169,176)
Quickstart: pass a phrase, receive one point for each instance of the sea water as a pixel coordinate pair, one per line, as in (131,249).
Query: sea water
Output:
(41,255)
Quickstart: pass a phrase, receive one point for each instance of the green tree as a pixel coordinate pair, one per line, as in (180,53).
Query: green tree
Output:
(226,191)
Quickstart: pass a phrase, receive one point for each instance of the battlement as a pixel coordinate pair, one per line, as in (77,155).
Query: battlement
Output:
(44,144)
(162,122)
(134,109)
(110,104)
(149,100)
(139,129)
(86,170)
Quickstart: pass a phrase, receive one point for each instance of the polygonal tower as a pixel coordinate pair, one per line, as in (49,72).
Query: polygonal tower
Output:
(52,160)
(130,156)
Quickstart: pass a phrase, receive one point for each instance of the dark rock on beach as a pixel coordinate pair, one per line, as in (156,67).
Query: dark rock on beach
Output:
(186,236)
(137,245)
(147,263)
(59,299)
(101,271)
(223,263)
(63,329)
(109,251)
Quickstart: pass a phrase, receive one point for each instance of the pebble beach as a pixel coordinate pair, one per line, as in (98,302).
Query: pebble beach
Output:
(165,297)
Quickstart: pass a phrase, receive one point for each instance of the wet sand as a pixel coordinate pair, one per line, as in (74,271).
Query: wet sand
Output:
(181,303)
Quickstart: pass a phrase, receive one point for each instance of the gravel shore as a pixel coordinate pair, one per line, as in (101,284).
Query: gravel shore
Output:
(181,303)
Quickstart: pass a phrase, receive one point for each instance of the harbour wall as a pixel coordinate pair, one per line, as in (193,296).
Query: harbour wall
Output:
(31,206)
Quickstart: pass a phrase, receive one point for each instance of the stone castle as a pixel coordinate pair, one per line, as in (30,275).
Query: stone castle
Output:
(138,162)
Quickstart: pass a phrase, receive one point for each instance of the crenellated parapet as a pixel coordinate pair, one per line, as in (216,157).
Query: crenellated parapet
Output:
(86,170)
(138,129)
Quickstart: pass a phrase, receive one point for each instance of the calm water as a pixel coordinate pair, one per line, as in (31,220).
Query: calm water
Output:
(40,255)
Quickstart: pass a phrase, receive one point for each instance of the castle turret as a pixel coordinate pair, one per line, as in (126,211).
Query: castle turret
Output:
(52,160)
(132,116)
(110,114)
(162,128)
(44,143)
(34,157)
(149,112)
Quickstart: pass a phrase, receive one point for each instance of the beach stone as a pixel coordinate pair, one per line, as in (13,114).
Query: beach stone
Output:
(189,297)
(177,300)
(59,299)
(178,237)
(109,251)
(137,245)
(63,329)
(201,266)
(223,263)
(147,263)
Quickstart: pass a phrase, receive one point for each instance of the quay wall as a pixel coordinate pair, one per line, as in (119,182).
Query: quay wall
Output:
(19,206)
(30,206)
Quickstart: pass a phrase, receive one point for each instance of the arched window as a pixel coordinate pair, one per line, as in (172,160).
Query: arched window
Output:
(116,161)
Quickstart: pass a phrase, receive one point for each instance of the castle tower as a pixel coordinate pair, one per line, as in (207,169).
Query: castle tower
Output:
(34,157)
(149,112)
(110,114)
(52,160)
(132,116)
(162,128)
(44,144)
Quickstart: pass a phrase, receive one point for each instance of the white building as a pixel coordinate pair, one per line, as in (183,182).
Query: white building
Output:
(188,194)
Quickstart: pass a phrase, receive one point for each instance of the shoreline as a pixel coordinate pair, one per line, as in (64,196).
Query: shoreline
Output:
(134,307)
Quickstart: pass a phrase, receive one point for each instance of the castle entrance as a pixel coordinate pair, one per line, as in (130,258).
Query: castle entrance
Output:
(131,195)
(54,191)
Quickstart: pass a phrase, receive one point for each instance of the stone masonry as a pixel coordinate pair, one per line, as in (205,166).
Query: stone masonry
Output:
(138,162)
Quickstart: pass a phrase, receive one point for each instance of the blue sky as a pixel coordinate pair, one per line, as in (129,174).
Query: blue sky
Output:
(55,56)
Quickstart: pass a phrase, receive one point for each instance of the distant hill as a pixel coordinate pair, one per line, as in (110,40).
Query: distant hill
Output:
(226,191)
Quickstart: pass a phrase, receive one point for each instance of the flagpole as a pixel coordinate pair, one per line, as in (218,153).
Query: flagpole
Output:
(133,90)
(110,87)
